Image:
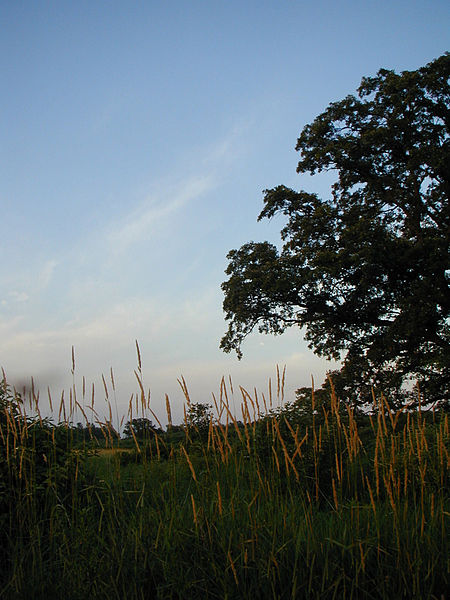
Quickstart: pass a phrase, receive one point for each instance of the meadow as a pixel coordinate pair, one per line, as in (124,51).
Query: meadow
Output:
(290,501)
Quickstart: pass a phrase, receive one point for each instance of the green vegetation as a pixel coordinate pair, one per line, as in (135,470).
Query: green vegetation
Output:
(365,270)
(306,500)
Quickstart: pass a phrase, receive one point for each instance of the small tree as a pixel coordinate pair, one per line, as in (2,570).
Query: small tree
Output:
(199,416)
(141,427)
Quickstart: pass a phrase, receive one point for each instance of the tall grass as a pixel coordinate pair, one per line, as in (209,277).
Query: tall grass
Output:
(330,504)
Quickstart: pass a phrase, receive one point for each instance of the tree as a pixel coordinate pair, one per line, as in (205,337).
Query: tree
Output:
(199,417)
(364,271)
(141,427)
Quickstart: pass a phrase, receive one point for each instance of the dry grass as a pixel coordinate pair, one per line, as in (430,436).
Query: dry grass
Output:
(275,503)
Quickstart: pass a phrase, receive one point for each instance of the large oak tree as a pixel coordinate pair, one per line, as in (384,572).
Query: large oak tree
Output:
(364,271)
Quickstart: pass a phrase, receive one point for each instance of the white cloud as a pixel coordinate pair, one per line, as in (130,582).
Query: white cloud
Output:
(142,221)
(8,327)
(205,167)
(93,309)
(21,286)
(46,273)
(18,296)
(114,323)
(174,340)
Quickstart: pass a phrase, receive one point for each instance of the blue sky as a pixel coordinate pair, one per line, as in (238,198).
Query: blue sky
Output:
(135,141)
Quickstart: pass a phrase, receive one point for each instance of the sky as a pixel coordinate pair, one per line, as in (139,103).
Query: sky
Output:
(136,139)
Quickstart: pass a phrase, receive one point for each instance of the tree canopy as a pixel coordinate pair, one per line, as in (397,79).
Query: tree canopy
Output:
(364,271)
(199,416)
(141,428)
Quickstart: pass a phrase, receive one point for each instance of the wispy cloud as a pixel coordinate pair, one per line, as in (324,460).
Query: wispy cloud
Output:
(204,170)
(98,304)
(18,296)
(22,286)
(141,222)
(46,273)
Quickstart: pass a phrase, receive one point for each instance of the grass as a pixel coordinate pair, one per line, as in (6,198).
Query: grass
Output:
(331,504)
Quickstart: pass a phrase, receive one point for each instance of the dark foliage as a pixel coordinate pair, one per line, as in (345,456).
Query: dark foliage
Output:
(365,271)
(198,417)
(142,428)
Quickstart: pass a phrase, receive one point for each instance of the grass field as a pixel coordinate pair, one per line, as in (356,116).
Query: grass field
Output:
(322,503)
